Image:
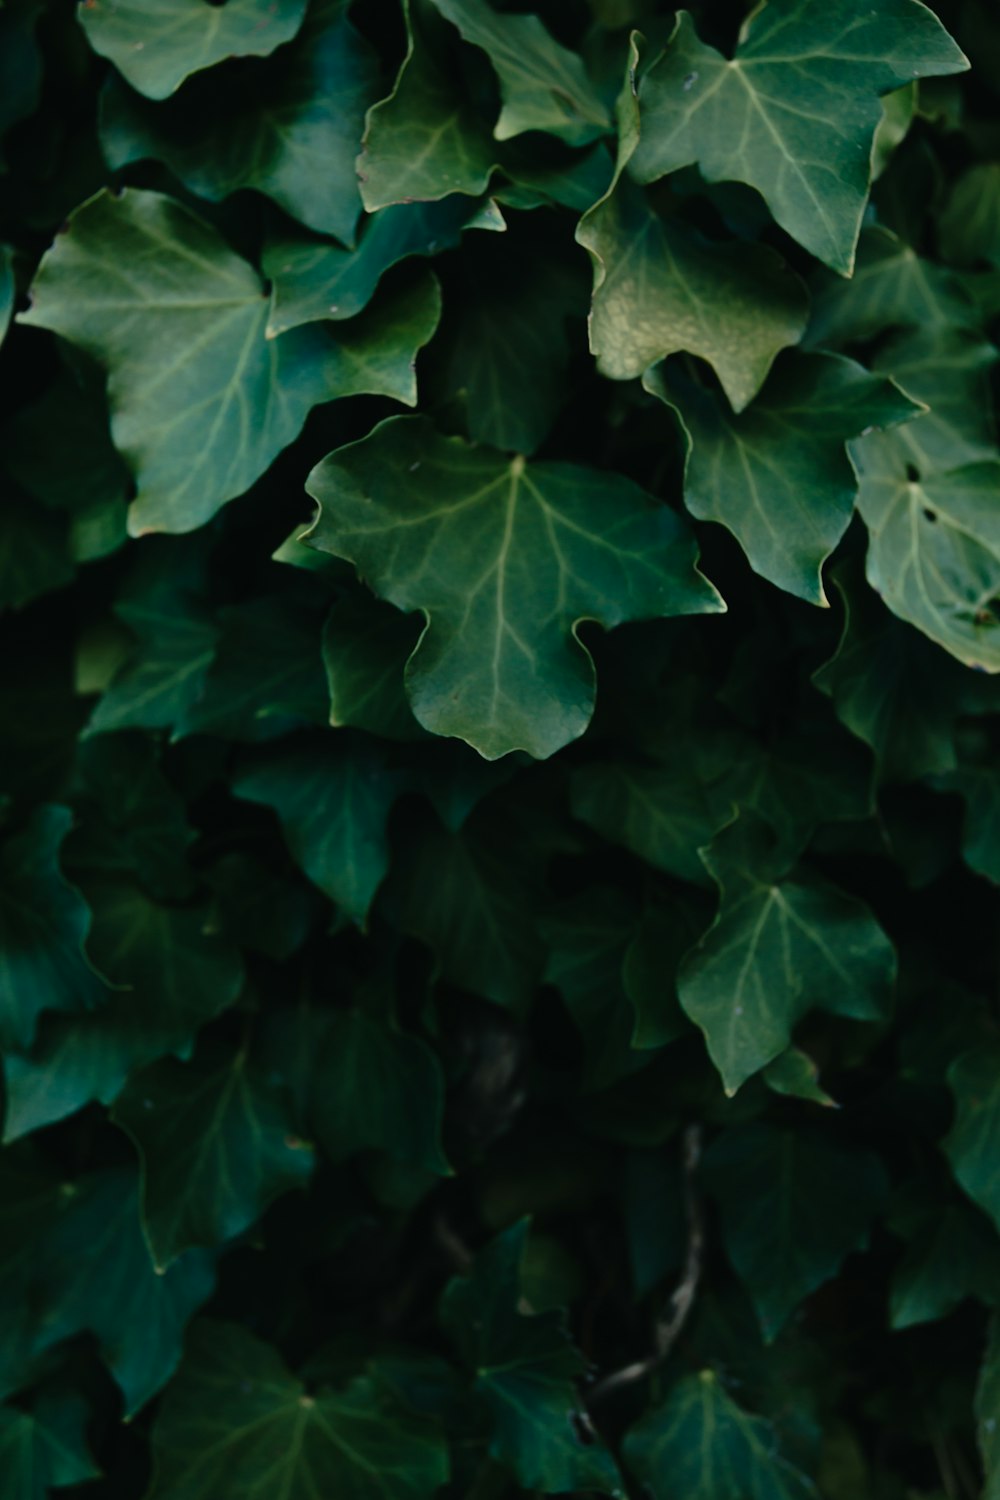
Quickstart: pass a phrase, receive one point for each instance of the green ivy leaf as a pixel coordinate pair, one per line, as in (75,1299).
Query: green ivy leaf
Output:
(163,677)
(235,1423)
(471,895)
(34,550)
(781,945)
(171,972)
(948,369)
(374,1087)
(778,475)
(971,1143)
(133,824)
(157,43)
(952,1252)
(289,128)
(795,1074)
(933,553)
(312,280)
(588,936)
(969,228)
(505,560)
(333,797)
(81,475)
(660,287)
(506,363)
(979,787)
(794,112)
(21,67)
(137,1314)
(365,648)
(892,287)
(524,1369)
(793,1204)
(216,1144)
(266,675)
(668,926)
(427,139)
(891,687)
(543,85)
(201,401)
(702,1445)
(44,1449)
(44,922)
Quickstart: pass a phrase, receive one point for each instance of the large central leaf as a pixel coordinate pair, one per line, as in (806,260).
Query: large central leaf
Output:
(201,400)
(794,112)
(237,1426)
(505,560)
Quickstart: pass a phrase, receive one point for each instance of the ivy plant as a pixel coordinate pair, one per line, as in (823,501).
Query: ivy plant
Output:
(499,780)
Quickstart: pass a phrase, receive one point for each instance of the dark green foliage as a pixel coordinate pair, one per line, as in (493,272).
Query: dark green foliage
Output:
(498,901)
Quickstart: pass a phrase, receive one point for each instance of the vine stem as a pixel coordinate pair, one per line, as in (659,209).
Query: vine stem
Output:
(669,1326)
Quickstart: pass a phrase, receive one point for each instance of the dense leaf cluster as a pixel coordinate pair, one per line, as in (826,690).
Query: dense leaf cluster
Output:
(498,924)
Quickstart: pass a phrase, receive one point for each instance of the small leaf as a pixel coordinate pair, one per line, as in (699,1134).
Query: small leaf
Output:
(524,1370)
(137,1315)
(216,1144)
(793,1205)
(472,895)
(171,973)
(778,475)
(44,922)
(971,1144)
(780,946)
(702,1445)
(952,1253)
(794,1073)
(505,560)
(376,1088)
(235,1425)
(333,798)
(44,1448)
(890,687)
(979,787)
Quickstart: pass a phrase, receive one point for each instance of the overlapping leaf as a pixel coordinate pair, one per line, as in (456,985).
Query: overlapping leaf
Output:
(780,945)
(524,1369)
(178,319)
(794,111)
(157,43)
(288,128)
(778,475)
